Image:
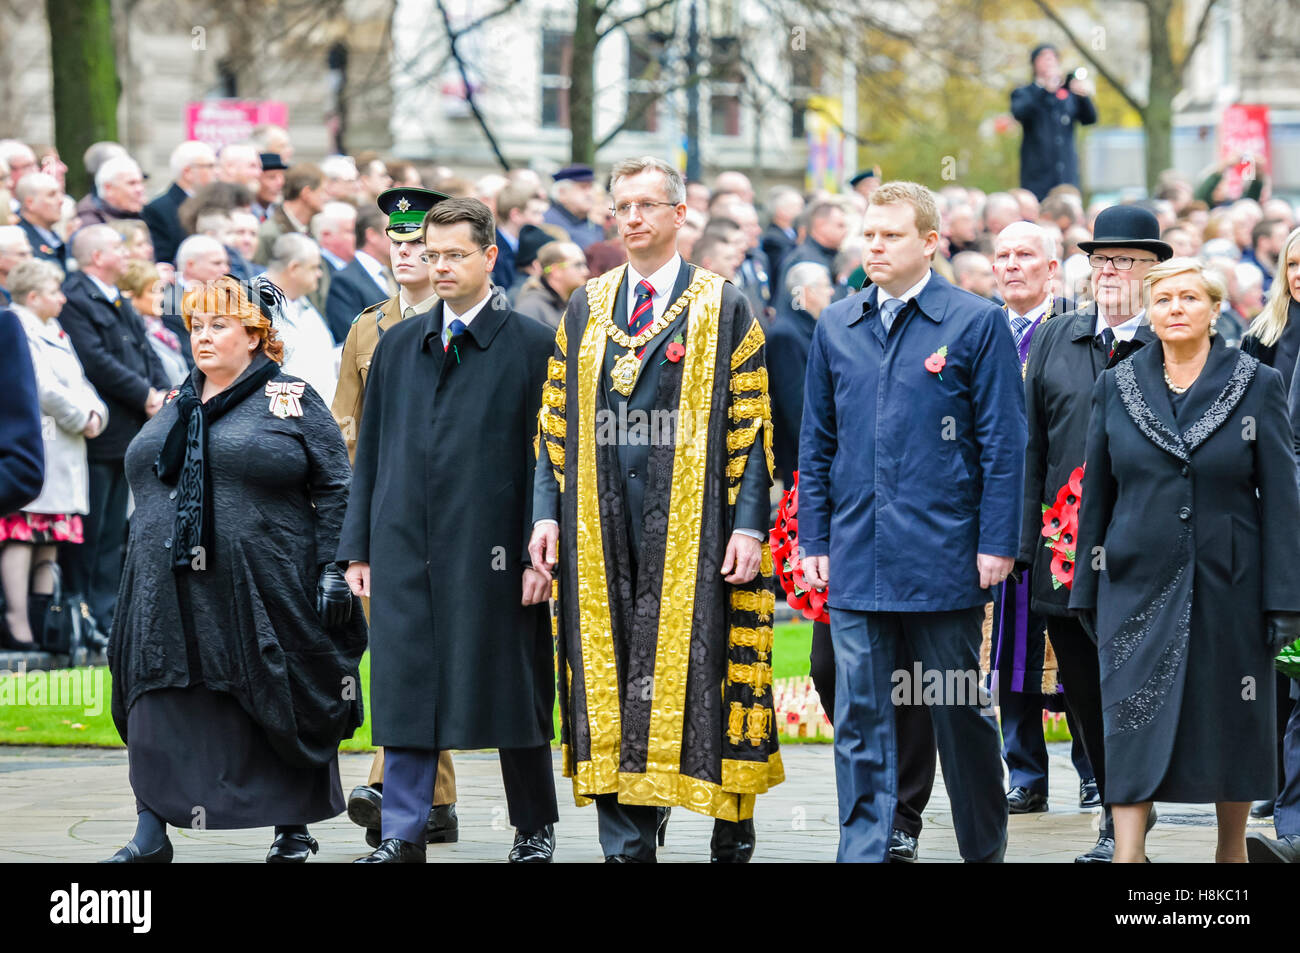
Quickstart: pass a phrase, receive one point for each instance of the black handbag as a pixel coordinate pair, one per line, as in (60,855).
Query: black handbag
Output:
(61,631)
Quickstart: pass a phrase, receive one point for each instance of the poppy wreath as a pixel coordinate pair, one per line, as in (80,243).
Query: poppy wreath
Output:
(1061,529)
(784,539)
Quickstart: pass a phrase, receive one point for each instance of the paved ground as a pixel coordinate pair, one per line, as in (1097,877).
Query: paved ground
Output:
(60,804)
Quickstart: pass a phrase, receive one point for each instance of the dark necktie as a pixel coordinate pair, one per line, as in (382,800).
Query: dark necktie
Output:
(643,313)
(454,330)
(1107,338)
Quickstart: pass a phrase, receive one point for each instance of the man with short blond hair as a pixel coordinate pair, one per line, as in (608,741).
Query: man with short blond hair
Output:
(913,400)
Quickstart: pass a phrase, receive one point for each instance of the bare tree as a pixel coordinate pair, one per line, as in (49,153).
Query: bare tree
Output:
(1168,57)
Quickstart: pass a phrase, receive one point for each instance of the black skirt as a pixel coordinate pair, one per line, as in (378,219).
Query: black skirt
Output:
(199,761)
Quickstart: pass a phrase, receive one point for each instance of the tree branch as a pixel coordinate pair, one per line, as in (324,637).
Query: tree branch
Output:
(1197,36)
(452,37)
(1099,66)
(624,21)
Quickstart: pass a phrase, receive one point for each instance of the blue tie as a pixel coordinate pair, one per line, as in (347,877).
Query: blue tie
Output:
(889,311)
(454,330)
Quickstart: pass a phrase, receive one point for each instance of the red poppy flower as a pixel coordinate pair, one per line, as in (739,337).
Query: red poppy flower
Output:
(1062,571)
(1066,543)
(674,352)
(935,362)
(1053,521)
(1065,497)
(1076,481)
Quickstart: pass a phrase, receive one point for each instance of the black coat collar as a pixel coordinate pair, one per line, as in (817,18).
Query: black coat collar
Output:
(1212,397)
(482,329)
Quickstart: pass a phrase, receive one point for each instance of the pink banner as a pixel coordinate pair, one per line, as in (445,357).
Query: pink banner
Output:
(219,122)
(1244,132)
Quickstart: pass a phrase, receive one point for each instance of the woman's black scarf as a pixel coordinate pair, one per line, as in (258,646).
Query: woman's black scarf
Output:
(182,461)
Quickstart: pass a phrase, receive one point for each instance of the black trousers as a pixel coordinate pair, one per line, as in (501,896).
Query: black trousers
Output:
(915,733)
(1080,672)
(94,568)
(410,774)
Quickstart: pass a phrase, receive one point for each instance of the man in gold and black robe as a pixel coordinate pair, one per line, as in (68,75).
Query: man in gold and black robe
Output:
(651,506)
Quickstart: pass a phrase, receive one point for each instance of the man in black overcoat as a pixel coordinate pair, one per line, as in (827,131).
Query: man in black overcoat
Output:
(461,652)
(109,338)
(1048,110)
(1067,356)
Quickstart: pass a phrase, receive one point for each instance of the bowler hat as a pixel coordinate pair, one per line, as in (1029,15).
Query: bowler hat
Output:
(1127,226)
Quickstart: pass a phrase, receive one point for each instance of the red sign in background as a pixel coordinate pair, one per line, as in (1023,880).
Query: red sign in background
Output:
(219,122)
(1244,132)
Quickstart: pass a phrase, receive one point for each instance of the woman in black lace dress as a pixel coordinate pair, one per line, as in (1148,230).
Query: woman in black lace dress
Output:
(235,648)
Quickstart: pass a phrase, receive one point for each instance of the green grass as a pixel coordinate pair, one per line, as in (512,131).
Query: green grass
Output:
(46,724)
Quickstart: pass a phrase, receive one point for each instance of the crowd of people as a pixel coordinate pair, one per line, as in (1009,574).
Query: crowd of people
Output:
(209,534)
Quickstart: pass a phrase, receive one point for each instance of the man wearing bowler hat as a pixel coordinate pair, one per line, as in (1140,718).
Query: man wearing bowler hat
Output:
(1067,356)
(572,196)
(270,185)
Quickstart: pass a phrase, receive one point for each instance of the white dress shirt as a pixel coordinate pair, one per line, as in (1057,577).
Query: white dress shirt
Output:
(448,315)
(906,296)
(375,268)
(1125,331)
(309,350)
(662,281)
(108,291)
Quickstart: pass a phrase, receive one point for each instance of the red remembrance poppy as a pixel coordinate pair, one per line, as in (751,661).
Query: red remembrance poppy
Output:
(1062,571)
(1076,481)
(674,352)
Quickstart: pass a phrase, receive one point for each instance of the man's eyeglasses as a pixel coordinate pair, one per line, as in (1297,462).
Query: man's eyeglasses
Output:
(1121,262)
(453,257)
(624,209)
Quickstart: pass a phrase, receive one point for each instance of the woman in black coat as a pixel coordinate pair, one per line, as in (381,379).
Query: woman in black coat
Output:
(1188,564)
(236,646)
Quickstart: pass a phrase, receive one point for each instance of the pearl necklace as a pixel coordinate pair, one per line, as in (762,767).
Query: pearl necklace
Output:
(1172,386)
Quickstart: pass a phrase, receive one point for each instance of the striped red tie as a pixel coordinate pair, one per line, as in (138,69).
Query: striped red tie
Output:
(643,313)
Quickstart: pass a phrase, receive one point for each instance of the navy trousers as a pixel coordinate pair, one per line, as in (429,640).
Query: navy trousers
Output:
(867,645)
(916,754)
(410,773)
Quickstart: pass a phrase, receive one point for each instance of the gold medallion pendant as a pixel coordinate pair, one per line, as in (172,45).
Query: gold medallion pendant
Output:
(624,375)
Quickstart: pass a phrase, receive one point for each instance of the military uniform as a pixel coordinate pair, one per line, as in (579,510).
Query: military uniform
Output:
(406,208)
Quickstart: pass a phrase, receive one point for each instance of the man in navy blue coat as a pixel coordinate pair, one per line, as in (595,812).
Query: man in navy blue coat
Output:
(911,470)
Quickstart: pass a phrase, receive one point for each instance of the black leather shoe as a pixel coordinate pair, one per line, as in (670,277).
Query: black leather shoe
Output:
(626,859)
(1021,800)
(902,848)
(443,826)
(373,838)
(365,806)
(292,848)
(1089,796)
(394,851)
(535,848)
(1102,852)
(661,826)
(1263,850)
(732,842)
(130,854)
(1262,809)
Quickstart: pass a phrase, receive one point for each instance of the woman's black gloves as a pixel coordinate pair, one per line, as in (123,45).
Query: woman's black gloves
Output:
(333,597)
(1283,629)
